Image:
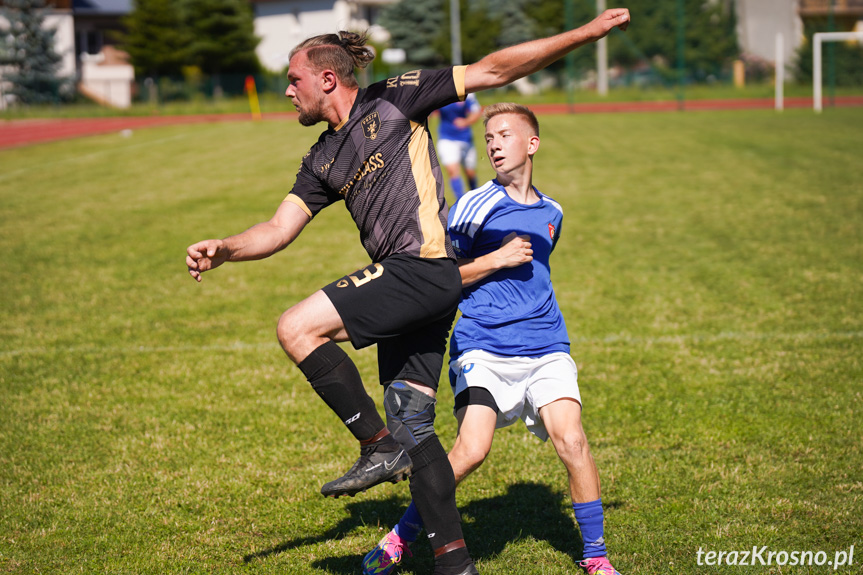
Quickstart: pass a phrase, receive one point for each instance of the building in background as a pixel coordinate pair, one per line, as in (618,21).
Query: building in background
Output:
(846,15)
(758,23)
(97,23)
(84,29)
(60,19)
(282,24)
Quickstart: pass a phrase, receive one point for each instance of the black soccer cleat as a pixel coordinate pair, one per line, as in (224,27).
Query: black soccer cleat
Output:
(373,467)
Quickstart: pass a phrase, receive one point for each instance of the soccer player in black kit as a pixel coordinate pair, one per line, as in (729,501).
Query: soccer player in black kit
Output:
(377,156)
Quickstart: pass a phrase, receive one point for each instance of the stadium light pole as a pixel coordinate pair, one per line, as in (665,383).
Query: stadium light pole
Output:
(601,57)
(455,31)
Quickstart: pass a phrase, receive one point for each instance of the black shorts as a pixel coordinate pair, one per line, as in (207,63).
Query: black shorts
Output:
(406,305)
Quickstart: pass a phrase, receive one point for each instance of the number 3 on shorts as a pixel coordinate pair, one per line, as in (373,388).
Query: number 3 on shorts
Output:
(368,275)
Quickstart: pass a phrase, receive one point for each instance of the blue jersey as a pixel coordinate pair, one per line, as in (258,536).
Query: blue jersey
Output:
(512,312)
(448,114)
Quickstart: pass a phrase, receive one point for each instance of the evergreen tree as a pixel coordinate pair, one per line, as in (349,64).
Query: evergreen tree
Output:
(30,52)
(421,28)
(516,26)
(480,31)
(223,37)
(548,17)
(156,39)
(418,28)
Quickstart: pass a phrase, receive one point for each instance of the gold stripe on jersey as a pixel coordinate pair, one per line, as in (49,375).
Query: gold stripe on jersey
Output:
(434,235)
(458,74)
(295,199)
(342,123)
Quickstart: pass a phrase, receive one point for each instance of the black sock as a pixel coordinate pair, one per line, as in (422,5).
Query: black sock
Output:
(335,378)
(455,561)
(433,491)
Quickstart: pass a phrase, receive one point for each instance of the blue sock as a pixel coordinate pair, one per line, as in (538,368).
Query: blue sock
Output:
(472,182)
(410,524)
(457,187)
(590,519)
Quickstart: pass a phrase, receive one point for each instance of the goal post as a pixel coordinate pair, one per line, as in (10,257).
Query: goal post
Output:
(817,40)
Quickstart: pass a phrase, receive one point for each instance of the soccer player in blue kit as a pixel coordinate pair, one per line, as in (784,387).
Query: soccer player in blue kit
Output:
(509,352)
(377,157)
(455,142)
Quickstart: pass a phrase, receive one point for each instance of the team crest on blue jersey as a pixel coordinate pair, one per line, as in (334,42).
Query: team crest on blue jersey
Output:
(371,125)
(551,231)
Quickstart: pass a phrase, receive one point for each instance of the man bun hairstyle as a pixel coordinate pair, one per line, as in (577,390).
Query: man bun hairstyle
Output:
(341,53)
(511,108)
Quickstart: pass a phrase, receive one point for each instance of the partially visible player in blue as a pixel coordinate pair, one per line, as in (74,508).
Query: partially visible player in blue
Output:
(455,147)
(510,349)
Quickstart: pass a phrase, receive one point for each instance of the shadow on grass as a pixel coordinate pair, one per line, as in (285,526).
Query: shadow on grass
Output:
(359,514)
(527,510)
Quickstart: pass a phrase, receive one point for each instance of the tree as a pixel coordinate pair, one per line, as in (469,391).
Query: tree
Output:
(223,36)
(710,40)
(421,28)
(515,24)
(840,61)
(156,38)
(480,29)
(30,52)
(548,17)
(416,27)
(710,37)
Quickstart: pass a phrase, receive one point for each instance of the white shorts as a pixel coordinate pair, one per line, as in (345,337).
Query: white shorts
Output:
(520,386)
(451,152)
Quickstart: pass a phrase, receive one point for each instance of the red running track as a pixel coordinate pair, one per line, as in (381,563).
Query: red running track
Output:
(14,133)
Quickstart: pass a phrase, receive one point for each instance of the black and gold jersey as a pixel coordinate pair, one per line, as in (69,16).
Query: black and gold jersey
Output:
(381,161)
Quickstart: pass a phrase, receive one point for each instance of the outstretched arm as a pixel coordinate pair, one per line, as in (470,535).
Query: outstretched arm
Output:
(514,251)
(258,242)
(507,65)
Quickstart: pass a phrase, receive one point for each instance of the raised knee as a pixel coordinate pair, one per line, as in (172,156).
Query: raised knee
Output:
(288,330)
(410,414)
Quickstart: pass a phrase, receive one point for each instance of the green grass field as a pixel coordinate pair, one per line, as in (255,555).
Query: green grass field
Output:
(711,274)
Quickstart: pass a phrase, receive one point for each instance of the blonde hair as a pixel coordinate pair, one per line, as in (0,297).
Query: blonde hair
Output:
(340,53)
(511,108)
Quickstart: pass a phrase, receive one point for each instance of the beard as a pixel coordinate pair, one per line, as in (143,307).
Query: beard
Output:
(312,113)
